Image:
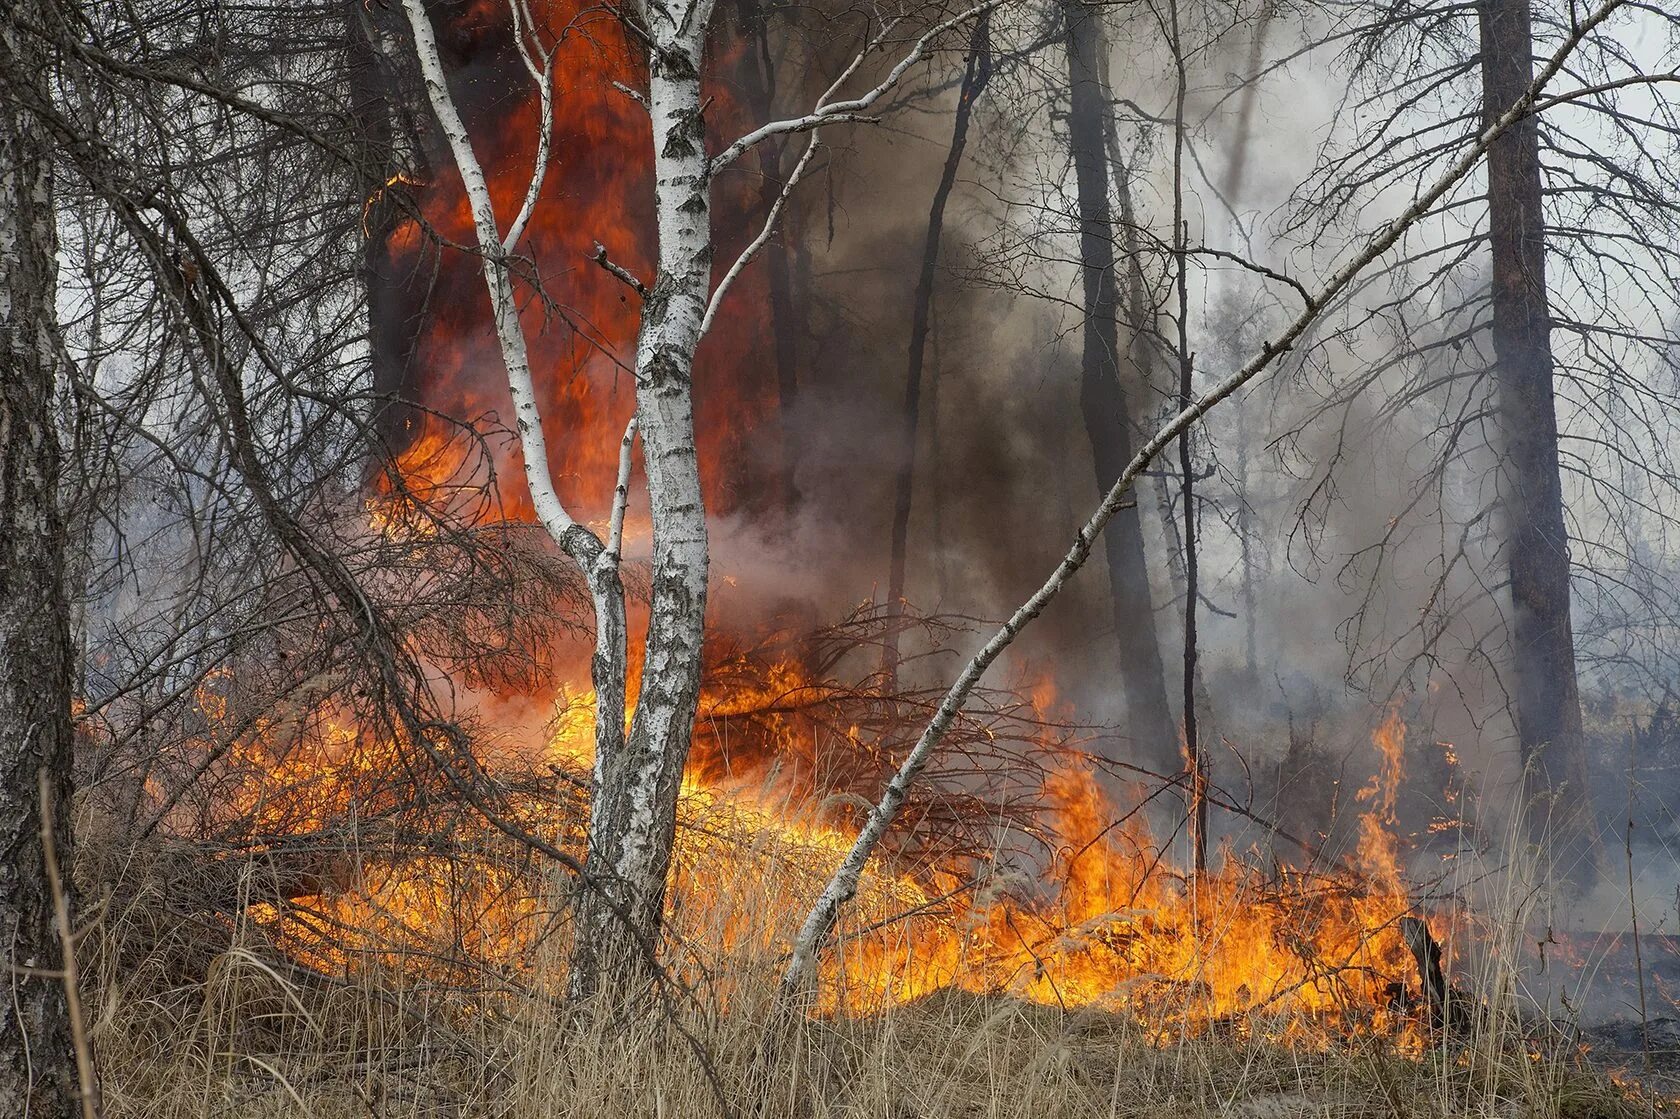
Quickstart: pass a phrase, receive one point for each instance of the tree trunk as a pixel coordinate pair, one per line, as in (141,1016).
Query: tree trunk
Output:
(390,332)
(1548,708)
(1197,764)
(758,80)
(633,819)
(974,81)
(622,778)
(1103,400)
(37,1072)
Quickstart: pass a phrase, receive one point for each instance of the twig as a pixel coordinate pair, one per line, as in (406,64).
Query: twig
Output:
(85,1078)
(599,256)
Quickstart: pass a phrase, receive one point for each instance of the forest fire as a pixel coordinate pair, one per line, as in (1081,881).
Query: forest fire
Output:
(402,877)
(1016,559)
(1302,955)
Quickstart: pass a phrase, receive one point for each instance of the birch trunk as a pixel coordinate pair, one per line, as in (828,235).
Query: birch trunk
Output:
(37,1075)
(633,817)
(1548,706)
(597,560)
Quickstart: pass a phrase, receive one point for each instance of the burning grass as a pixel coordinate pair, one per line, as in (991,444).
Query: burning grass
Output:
(311,920)
(1074,902)
(244,1032)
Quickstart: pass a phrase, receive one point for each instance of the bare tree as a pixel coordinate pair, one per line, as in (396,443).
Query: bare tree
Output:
(1108,412)
(1517,332)
(1548,703)
(36,653)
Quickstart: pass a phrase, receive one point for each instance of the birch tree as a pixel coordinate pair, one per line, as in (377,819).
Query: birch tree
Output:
(638,772)
(36,661)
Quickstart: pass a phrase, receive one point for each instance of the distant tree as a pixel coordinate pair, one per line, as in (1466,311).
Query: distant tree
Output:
(1107,403)
(1518,333)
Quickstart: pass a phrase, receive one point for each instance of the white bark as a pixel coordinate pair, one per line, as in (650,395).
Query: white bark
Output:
(598,564)
(633,817)
(842,885)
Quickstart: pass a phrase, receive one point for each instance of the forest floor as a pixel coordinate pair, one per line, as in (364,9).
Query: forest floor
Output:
(251,1040)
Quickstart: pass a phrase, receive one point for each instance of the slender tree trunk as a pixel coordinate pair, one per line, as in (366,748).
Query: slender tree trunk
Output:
(1242,135)
(610,913)
(974,81)
(1102,399)
(1197,764)
(37,1063)
(758,78)
(390,337)
(633,819)
(1139,315)
(1548,707)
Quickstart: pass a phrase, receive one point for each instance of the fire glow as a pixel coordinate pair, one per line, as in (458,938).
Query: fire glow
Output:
(1280,952)
(1110,925)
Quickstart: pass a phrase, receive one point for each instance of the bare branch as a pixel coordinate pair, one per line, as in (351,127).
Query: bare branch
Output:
(635,95)
(621,496)
(763,237)
(543,75)
(1254,266)
(599,256)
(827,111)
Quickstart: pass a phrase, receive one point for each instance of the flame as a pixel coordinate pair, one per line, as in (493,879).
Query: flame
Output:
(764,816)
(581,325)
(1285,953)
(1379,854)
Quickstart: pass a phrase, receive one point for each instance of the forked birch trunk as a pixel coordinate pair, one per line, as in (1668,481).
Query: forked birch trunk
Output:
(638,774)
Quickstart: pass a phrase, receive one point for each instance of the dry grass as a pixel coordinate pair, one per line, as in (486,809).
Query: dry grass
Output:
(250,1043)
(238,1033)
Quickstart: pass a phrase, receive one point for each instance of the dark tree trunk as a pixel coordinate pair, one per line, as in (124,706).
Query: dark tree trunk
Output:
(37,1063)
(921,308)
(1548,708)
(388,280)
(1103,400)
(758,80)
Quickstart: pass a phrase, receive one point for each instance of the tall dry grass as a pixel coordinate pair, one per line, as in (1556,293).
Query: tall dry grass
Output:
(185,1028)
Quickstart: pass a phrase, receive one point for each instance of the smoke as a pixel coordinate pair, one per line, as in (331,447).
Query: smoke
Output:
(1370,572)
